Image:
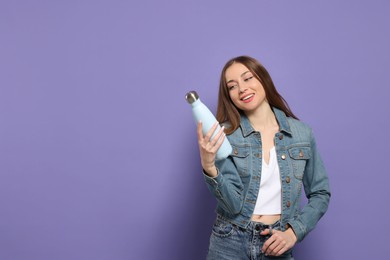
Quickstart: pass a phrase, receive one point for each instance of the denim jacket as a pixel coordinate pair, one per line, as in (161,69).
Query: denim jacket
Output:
(237,184)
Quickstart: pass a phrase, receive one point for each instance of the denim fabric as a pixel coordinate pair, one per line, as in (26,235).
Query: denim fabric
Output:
(237,184)
(230,242)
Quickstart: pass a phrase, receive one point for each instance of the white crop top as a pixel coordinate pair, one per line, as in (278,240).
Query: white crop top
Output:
(270,192)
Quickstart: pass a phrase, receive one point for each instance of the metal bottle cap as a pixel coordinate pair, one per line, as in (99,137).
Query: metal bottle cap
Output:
(192,96)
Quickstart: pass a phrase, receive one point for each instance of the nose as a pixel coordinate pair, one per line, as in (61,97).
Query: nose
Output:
(241,89)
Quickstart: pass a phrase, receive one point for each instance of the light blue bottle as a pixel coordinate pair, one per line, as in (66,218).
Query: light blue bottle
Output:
(202,113)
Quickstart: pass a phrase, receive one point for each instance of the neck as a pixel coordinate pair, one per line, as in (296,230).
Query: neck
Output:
(263,118)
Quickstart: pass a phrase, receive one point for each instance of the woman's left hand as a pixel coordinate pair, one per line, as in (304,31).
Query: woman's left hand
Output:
(279,242)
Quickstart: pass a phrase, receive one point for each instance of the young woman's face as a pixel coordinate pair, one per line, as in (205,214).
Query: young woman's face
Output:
(245,90)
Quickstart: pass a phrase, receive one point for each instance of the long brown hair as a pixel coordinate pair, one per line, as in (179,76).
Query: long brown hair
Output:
(228,112)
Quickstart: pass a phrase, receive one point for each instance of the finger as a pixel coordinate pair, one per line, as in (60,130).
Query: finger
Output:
(221,138)
(275,247)
(280,249)
(267,244)
(217,145)
(199,131)
(210,133)
(218,138)
(271,242)
(265,232)
(278,246)
(271,248)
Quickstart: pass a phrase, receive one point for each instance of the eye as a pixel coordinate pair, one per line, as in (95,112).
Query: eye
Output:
(232,87)
(248,78)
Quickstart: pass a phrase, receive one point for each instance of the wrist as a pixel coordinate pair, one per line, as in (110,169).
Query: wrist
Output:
(210,171)
(291,232)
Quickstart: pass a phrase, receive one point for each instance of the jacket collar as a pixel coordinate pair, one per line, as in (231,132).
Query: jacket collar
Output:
(281,117)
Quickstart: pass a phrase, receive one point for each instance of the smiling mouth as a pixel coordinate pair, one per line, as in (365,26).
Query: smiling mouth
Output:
(247,97)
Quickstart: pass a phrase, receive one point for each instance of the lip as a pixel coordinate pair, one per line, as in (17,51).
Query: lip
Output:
(247,98)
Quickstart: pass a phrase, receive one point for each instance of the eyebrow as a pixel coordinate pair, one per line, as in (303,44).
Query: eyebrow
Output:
(240,76)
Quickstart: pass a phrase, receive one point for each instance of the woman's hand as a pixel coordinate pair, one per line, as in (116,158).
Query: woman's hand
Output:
(279,242)
(208,148)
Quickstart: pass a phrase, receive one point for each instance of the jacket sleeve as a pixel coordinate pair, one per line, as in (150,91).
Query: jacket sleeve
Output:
(227,186)
(316,185)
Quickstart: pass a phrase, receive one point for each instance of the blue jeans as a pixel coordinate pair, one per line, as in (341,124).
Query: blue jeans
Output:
(230,242)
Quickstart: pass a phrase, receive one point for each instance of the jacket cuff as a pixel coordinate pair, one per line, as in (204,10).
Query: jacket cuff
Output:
(213,181)
(298,228)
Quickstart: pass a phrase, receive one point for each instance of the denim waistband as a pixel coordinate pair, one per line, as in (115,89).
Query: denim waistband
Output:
(259,226)
(253,225)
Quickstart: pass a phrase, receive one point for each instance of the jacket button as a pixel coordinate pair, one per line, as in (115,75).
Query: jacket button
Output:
(288,204)
(288,179)
(235,151)
(280,137)
(283,156)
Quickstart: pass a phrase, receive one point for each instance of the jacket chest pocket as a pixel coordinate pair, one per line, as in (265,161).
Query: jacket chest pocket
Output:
(299,156)
(240,159)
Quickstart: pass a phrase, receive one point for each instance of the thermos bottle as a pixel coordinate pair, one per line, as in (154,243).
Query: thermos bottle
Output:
(202,113)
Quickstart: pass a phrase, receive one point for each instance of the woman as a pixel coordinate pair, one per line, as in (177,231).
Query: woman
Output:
(258,186)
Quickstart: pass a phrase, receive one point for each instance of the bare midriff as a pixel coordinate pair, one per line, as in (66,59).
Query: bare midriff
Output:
(265,219)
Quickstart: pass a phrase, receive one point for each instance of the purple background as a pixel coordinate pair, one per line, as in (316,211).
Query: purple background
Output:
(98,150)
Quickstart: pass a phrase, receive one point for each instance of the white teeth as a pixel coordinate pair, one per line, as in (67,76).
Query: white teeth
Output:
(247,97)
